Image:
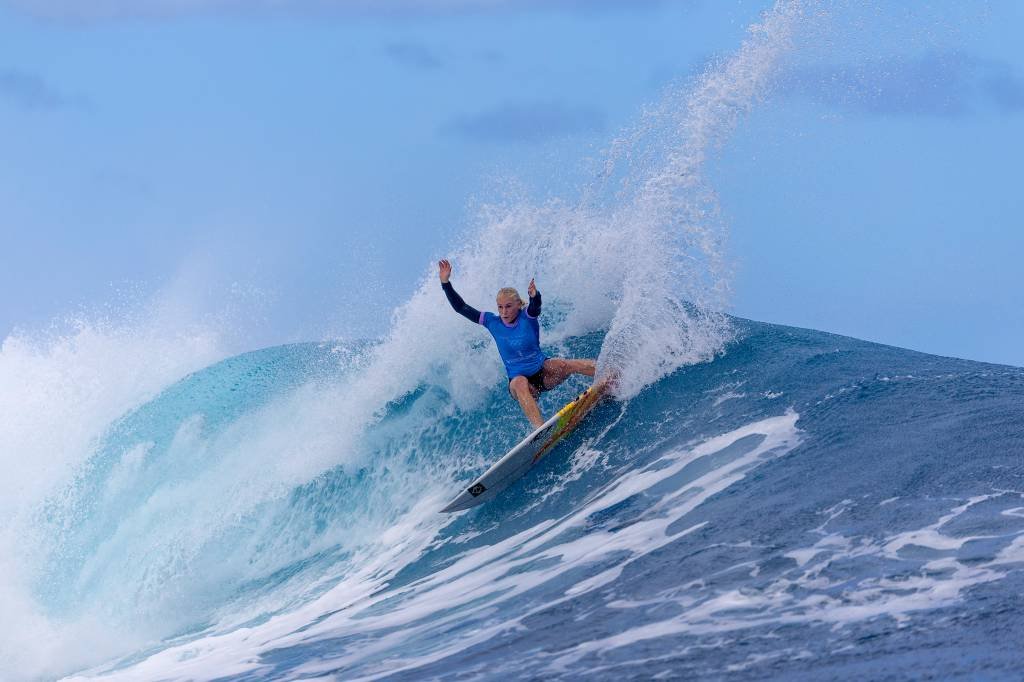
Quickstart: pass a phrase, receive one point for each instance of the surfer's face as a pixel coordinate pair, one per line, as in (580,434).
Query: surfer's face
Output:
(508,308)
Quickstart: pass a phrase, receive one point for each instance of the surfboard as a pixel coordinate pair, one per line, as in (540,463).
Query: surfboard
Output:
(528,452)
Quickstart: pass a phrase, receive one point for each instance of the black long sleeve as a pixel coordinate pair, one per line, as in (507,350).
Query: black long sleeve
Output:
(467,311)
(533,310)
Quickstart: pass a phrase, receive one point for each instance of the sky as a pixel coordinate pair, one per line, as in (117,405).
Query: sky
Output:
(302,163)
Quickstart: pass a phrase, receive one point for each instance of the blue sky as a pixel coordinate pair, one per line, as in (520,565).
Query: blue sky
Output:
(308,163)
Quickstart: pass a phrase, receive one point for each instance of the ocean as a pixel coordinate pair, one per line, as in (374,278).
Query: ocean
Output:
(804,506)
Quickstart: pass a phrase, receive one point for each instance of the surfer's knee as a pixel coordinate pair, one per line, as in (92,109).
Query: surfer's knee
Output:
(555,366)
(519,386)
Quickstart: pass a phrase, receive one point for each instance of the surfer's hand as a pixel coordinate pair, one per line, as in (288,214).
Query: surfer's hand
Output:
(444,270)
(532,289)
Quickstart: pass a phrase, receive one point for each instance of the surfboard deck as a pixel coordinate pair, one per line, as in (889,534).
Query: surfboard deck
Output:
(528,452)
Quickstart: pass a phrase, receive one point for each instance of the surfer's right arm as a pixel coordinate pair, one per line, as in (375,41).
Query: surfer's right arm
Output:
(444,271)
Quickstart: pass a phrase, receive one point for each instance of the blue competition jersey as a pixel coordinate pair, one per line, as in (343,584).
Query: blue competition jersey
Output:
(518,345)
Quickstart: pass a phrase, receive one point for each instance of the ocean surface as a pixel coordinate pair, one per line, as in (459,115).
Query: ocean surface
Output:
(756,501)
(804,506)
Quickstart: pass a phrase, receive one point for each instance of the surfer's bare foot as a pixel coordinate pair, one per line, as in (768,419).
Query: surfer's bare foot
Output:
(610,379)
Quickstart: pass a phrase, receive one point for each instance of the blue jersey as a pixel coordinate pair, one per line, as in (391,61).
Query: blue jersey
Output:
(518,344)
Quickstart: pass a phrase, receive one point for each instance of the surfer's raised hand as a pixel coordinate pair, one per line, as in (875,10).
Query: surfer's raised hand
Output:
(532,289)
(444,270)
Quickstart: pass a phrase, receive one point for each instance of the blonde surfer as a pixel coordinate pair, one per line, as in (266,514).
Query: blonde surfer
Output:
(516,333)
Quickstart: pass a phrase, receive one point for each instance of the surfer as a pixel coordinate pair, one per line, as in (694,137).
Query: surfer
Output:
(518,339)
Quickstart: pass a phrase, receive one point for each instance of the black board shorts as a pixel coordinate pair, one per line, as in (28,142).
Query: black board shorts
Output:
(536,380)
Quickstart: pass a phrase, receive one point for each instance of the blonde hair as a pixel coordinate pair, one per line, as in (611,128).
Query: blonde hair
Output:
(510,291)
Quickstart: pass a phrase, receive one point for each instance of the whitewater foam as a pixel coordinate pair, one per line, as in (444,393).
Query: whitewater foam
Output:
(482,584)
(58,394)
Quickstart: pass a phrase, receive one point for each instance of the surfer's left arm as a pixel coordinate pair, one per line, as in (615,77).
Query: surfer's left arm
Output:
(533,310)
(456,302)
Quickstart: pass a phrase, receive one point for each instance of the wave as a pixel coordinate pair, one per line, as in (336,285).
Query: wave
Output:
(795,494)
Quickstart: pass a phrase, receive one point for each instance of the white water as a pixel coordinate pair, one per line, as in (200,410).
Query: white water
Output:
(58,395)
(487,580)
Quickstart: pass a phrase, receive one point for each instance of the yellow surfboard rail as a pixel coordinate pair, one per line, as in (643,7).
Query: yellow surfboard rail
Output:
(570,416)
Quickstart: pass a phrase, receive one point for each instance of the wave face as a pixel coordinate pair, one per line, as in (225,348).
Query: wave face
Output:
(803,505)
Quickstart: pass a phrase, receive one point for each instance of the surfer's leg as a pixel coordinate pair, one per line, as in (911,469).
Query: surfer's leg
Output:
(523,392)
(557,370)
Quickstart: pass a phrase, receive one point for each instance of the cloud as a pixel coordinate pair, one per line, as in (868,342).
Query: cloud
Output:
(415,55)
(1005,87)
(946,84)
(525,122)
(99,10)
(490,56)
(29,91)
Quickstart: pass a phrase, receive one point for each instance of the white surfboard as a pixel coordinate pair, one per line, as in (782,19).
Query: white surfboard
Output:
(519,459)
